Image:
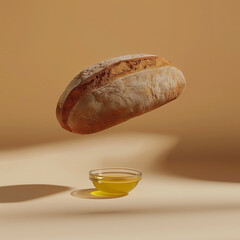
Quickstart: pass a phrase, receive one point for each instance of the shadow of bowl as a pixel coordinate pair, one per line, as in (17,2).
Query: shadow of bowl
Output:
(93,193)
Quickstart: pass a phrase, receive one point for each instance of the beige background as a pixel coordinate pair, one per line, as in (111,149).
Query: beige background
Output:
(45,43)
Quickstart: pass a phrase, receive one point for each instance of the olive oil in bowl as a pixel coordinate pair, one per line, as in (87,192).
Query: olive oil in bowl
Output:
(115,181)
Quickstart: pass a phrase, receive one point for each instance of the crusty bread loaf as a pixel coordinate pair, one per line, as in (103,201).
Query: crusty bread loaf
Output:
(117,89)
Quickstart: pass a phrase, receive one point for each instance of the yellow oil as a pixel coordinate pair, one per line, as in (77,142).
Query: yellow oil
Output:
(115,185)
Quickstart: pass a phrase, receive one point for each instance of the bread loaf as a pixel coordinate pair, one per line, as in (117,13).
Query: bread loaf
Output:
(117,89)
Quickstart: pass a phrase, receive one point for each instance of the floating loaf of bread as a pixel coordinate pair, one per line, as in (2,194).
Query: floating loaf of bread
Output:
(117,89)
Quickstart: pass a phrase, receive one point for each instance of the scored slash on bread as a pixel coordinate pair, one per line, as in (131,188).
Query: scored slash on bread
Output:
(117,89)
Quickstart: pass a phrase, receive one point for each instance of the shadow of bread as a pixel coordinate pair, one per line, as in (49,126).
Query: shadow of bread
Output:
(27,192)
(204,158)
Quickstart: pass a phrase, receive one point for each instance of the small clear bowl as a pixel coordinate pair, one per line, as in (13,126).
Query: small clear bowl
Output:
(115,181)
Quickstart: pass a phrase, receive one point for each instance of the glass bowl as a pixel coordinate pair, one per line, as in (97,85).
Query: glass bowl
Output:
(115,181)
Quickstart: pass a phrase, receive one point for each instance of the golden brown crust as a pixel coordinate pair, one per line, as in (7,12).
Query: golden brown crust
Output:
(125,98)
(103,77)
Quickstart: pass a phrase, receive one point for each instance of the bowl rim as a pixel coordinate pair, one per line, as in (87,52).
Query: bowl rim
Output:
(99,173)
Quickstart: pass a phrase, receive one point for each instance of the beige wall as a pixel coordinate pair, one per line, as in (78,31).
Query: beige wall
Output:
(44,44)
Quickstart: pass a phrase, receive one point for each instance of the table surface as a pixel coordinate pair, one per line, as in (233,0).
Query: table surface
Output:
(37,182)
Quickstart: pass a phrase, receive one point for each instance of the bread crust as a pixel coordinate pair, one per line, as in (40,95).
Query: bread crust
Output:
(78,88)
(125,98)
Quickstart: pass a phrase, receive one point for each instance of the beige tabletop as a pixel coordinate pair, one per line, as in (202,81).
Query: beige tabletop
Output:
(37,182)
